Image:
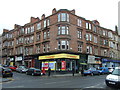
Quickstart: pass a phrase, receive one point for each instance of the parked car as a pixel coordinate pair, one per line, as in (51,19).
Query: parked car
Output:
(91,71)
(21,69)
(6,72)
(114,78)
(103,70)
(33,71)
(111,69)
(13,68)
(5,65)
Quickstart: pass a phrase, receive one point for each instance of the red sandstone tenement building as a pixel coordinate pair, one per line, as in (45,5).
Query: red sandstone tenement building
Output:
(61,41)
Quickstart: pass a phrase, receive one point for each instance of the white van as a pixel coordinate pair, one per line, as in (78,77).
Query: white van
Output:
(113,79)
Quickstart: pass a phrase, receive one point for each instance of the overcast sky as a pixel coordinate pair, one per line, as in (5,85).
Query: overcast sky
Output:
(19,11)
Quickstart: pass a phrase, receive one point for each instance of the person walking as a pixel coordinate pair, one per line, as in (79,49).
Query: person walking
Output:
(73,71)
(43,71)
(82,71)
(49,71)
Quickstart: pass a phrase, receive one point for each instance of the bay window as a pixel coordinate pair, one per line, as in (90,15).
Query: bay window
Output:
(63,30)
(63,45)
(63,17)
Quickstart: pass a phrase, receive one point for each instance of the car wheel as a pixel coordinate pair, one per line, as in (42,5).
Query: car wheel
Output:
(92,74)
(32,74)
(26,73)
(3,76)
(11,75)
(84,75)
(20,71)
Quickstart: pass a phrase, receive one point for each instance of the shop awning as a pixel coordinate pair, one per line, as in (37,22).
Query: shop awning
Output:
(62,55)
(83,63)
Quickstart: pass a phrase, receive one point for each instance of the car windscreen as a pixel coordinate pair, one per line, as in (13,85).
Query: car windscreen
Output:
(92,69)
(116,72)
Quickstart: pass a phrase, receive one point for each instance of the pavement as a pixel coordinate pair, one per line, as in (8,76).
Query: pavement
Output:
(52,75)
(66,74)
(5,79)
(62,75)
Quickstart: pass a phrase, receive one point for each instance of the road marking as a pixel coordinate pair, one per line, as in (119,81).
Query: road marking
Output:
(57,82)
(95,86)
(17,87)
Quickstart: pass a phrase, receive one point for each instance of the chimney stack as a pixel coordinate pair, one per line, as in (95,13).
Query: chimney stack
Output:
(96,22)
(54,11)
(43,16)
(16,26)
(5,30)
(33,19)
(73,11)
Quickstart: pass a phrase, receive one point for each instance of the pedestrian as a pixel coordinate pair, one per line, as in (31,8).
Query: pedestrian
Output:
(49,71)
(73,71)
(43,71)
(82,71)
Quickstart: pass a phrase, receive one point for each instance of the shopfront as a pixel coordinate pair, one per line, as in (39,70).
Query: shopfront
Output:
(110,63)
(18,60)
(29,61)
(94,61)
(59,62)
(12,61)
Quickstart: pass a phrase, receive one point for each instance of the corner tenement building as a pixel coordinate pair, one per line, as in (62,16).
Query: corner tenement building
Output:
(61,41)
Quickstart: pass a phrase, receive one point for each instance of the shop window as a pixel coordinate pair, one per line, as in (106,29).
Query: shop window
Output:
(68,65)
(59,65)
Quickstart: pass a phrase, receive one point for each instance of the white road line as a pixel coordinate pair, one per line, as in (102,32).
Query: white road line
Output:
(57,82)
(17,87)
(95,86)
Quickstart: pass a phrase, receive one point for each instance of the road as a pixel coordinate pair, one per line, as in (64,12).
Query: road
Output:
(27,81)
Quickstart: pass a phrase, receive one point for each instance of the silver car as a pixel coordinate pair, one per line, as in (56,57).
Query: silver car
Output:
(21,69)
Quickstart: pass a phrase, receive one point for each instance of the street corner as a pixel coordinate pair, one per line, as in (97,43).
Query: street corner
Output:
(6,80)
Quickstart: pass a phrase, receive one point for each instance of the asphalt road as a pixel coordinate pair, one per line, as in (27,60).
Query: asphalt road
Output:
(28,81)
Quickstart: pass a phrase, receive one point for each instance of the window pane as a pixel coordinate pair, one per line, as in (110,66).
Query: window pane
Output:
(63,29)
(38,26)
(58,30)
(67,31)
(67,17)
(67,45)
(58,17)
(45,23)
(63,43)
(89,26)
(63,16)
(48,22)
(58,44)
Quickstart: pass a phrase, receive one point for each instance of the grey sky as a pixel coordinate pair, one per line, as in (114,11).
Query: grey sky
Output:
(19,11)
